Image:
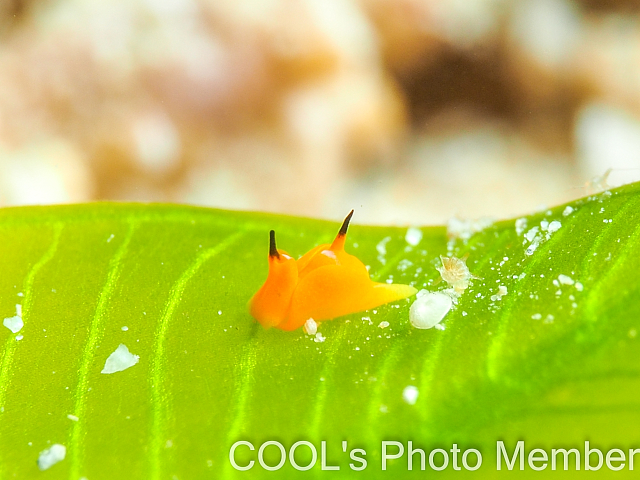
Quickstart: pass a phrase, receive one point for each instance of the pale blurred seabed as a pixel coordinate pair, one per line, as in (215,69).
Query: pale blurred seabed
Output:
(409,111)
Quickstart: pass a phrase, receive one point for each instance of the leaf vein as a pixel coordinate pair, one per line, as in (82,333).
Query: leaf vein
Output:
(10,343)
(159,402)
(88,355)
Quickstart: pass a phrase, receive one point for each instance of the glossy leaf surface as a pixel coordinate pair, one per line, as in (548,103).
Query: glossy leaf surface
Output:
(550,362)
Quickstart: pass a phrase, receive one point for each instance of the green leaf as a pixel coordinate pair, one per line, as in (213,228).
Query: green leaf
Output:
(553,365)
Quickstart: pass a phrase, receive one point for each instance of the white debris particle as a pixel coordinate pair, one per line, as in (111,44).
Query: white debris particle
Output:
(536,316)
(111,237)
(455,272)
(567,211)
(464,314)
(383,324)
(120,360)
(19,337)
(502,291)
(531,234)
(579,286)
(532,248)
(556,283)
(319,338)
(20,294)
(381,247)
(413,236)
(310,327)
(14,324)
(18,309)
(544,225)
(410,394)
(404,264)
(51,456)
(439,326)
(565,280)
(125,328)
(72,417)
(549,319)
(429,310)
(554,226)
(464,229)
(521,225)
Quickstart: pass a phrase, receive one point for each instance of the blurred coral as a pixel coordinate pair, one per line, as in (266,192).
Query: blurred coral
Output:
(412,110)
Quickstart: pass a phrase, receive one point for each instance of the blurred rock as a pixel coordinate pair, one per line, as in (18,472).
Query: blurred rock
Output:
(608,61)
(45,173)
(608,138)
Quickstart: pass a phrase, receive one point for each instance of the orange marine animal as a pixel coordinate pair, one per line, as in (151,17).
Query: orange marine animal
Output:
(324,283)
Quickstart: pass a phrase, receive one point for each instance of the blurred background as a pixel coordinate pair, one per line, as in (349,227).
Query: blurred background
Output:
(410,111)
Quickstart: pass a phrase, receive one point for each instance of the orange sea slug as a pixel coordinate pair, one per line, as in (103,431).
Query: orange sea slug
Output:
(324,283)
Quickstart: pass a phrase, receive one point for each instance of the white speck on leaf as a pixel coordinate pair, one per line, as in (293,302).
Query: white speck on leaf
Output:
(531,234)
(383,324)
(51,456)
(410,394)
(120,360)
(565,280)
(413,236)
(465,229)
(502,291)
(404,264)
(14,324)
(381,247)
(567,211)
(554,226)
(310,327)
